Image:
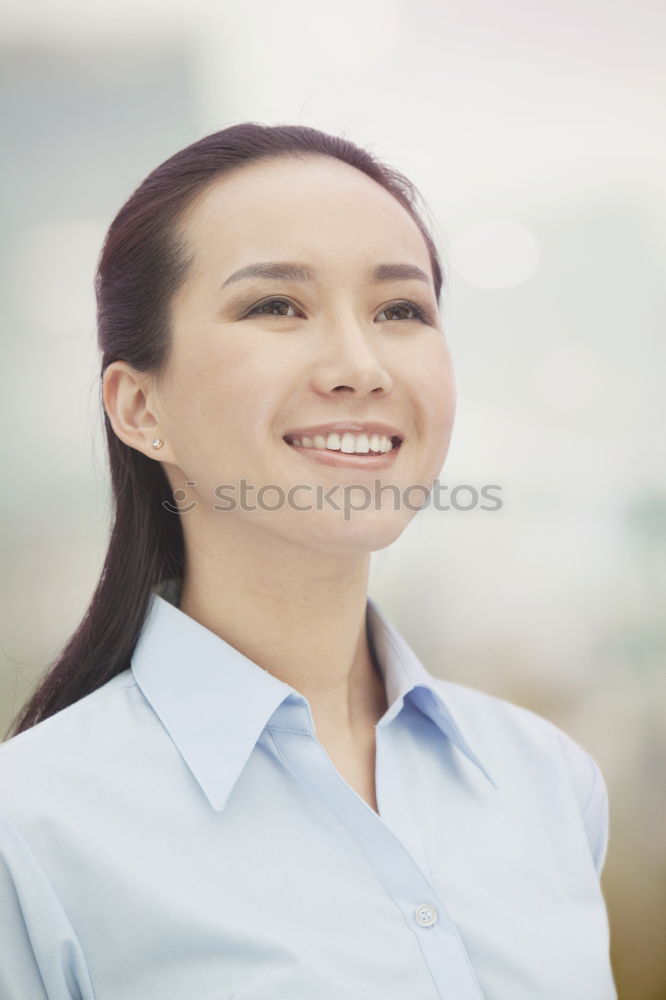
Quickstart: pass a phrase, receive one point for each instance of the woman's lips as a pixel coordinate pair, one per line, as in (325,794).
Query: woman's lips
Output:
(351,460)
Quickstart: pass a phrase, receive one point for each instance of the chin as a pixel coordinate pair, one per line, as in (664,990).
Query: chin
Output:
(365,531)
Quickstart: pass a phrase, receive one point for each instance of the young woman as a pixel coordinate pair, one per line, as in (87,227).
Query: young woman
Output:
(238,781)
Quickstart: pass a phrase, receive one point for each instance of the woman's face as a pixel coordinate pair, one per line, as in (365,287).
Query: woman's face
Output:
(257,360)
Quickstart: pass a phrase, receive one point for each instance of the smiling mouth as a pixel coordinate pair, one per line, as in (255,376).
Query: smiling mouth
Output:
(350,445)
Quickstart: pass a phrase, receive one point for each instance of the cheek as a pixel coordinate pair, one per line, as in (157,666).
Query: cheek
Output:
(217,379)
(436,388)
(231,393)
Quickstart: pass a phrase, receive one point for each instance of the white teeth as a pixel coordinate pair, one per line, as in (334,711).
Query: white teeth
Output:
(350,444)
(347,444)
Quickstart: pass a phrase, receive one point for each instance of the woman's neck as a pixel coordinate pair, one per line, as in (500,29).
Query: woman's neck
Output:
(302,617)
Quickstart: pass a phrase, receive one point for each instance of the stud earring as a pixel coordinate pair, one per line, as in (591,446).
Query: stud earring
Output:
(158,442)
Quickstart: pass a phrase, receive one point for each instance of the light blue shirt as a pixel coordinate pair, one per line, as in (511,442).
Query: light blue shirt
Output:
(181,834)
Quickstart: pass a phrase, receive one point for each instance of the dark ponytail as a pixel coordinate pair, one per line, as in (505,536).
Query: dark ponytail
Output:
(142,263)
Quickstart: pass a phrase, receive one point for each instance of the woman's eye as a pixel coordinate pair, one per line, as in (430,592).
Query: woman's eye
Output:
(403,307)
(267,308)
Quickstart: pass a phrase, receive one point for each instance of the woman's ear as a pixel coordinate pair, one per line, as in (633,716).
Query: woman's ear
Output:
(127,397)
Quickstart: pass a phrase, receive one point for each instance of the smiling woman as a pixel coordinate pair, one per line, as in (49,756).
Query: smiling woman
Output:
(238,780)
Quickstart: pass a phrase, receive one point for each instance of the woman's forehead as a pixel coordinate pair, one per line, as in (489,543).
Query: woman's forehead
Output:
(316,210)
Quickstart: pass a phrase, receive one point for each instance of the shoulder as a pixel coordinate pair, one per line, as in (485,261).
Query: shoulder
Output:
(91,708)
(82,738)
(519,744)
(507,733)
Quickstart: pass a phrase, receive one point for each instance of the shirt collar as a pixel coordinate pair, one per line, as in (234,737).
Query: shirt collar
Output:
(215,702)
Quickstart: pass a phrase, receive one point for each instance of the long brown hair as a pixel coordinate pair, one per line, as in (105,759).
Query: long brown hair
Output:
(142,263)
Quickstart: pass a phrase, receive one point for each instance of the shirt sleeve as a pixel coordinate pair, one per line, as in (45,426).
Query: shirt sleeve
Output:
(40,957)
(592,794)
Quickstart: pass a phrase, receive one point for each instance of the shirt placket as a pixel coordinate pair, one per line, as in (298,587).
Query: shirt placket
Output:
(422,908)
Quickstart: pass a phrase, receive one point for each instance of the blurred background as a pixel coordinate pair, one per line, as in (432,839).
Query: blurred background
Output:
(535,133)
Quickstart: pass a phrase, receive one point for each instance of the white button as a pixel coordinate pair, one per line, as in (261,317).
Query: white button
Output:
(426,915)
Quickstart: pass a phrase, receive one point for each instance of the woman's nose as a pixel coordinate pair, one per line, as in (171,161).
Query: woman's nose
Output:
(351,360)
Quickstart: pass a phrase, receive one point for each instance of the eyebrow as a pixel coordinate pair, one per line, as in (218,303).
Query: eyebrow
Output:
(302,272)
